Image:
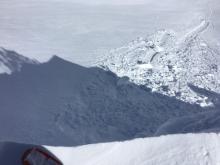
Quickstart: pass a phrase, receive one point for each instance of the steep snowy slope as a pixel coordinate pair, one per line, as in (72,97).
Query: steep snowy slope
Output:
(11,61)
(200,149)
(83,105)
(168,61)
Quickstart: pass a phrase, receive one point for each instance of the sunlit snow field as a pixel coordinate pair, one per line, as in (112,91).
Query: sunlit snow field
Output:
(81,32)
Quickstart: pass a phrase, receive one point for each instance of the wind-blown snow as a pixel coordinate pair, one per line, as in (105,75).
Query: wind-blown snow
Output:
(193,149)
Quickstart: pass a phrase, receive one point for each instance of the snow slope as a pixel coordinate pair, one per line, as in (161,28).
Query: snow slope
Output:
(207,121)
(168,61)
(74,105)
(84,30)
(184,149)
(11,61)
(204,122)
(84,105)
(193,149)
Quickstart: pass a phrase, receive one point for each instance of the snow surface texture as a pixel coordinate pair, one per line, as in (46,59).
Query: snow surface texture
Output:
(193,149)
(200,149)
(83,105)
(167,62)
(82,31)
(10,61)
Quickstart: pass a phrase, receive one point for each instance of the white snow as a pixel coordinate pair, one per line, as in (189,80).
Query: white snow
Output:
(193,149)
(168,61)
(187,38)
(60,103)
(145,66)
(82,30)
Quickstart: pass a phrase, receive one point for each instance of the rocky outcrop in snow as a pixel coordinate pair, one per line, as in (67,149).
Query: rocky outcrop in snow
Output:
(167,62)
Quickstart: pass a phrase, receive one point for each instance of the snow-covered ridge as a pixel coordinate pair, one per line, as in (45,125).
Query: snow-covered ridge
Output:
(11,61)
(193,149)
(202,149)
(167,62)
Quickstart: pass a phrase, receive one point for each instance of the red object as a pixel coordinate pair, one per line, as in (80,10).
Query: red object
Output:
(36,156)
